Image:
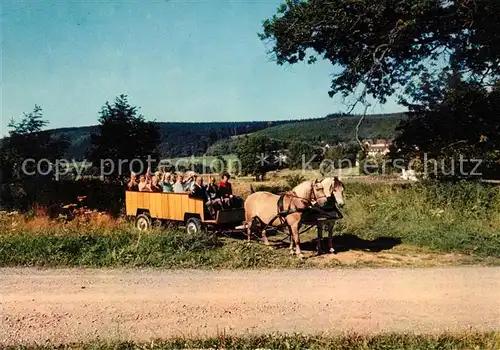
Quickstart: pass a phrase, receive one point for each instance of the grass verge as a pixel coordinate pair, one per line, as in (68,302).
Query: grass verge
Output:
(167,249)
(483,341)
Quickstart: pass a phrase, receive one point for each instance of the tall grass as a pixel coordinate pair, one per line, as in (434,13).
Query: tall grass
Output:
(463,217)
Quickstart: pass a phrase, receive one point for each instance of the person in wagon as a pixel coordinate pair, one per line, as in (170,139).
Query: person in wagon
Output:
(167,184)
(154,185)
(213,203)
(178,185)
(225,189)
(143,185)
(132,184)
(190,181)
(212,189)
(199,190)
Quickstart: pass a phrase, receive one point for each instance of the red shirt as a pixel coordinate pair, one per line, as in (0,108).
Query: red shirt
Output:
(225,189)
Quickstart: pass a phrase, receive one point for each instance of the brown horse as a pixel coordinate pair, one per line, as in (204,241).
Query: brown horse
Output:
(263,209)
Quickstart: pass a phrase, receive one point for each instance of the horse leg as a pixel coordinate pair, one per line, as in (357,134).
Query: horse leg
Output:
(294,228)
(291,240)
(249,232)
(249,229)
(264,237)
(320,237)
(331,225)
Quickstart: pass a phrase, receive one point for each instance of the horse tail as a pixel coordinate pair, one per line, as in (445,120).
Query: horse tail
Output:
(251,189)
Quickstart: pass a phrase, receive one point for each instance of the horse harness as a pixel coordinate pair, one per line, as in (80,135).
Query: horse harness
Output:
(282,212)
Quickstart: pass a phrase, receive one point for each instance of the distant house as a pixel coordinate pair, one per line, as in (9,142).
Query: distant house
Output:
(377,147)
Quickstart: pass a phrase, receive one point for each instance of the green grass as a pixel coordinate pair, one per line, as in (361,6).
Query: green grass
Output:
(461,217)
(130,248)
(465,341)
(458,218)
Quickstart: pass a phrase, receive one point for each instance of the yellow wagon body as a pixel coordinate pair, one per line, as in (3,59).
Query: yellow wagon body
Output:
(178,207)
(165,206)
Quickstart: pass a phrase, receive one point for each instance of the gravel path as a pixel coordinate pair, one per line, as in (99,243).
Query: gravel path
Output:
(66,305)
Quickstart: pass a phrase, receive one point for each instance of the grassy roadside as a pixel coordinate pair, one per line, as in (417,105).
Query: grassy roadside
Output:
(117,248)
(177,249)
(396,223)
(465,341)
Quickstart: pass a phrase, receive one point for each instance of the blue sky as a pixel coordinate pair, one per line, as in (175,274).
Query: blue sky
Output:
(177,61)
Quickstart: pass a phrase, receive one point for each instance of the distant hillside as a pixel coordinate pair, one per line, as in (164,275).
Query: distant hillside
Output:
(186,139)
(178,139)
(334,128)
(330,129)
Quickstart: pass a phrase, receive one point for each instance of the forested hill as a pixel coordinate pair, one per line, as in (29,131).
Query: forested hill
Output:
(178,139)
(186,139)
(330,129)
(334,128)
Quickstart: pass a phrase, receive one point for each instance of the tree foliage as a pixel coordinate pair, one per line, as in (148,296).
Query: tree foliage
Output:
(27,140)
(462,120)
(258,155)
(440,57)
(303,153)
(385,45)
(124,135)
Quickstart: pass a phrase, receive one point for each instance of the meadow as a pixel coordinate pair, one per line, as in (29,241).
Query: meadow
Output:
(400,218)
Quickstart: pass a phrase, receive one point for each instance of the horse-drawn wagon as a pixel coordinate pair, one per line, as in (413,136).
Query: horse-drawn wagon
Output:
(179,208)
(306,204)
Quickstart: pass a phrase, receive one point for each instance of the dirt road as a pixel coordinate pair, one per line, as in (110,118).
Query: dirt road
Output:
(76,305)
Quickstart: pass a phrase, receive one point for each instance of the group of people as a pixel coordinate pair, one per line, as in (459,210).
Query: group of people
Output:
(216,196)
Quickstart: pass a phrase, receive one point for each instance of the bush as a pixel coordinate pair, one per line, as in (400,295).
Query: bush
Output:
(294,180)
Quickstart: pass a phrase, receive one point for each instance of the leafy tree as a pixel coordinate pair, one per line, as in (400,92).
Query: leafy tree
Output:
(385,45)
(343,155)
(258,155)
(461,120)
(420,49)
(27,140)
(125,138)
(301,153)
(220,164)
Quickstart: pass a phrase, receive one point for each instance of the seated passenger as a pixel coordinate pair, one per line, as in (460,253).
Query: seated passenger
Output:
(153,186)
(190,181)
(143,186)
(178,186)
(212,189)
(214,203)
(198,190)
(226,192)
(132,184)
(167,183)
(225,189)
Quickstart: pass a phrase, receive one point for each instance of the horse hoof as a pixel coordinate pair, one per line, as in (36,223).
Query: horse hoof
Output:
(332,251)
(292,252)
(301,256)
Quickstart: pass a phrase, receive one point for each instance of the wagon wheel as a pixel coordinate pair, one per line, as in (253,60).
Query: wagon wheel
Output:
(193,226)
(143,222)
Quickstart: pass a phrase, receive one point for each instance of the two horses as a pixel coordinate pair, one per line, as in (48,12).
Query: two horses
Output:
(265,209)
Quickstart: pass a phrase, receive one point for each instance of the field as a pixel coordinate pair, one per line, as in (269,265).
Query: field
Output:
(385,224)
